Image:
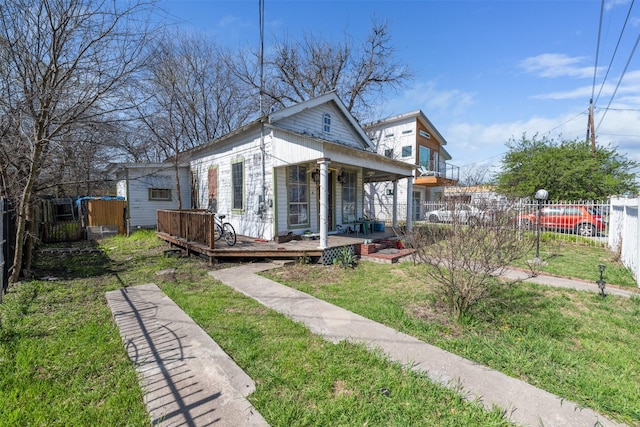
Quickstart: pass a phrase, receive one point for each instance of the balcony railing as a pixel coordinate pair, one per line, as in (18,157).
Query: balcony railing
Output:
(439,170)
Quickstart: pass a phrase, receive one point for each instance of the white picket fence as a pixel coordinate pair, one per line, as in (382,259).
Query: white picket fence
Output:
(624,233)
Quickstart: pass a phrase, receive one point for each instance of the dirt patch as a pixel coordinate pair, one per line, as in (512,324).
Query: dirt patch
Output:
(437,314)
(340,389)
(318,275)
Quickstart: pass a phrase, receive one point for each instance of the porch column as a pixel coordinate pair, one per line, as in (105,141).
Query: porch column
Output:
(409,203)
(394,220)
(324,202)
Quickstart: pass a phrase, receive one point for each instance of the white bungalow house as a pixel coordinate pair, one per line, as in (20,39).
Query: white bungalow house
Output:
(302,168)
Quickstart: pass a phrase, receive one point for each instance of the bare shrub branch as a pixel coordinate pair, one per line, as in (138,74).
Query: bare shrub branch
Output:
(464,259)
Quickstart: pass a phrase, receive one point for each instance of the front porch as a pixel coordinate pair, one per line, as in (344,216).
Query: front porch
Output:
(191,231)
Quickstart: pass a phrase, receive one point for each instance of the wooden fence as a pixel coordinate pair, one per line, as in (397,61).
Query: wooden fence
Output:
(106,212)
(61,231)
(195,226)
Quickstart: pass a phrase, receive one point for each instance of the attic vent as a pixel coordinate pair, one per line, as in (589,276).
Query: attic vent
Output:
(425,134)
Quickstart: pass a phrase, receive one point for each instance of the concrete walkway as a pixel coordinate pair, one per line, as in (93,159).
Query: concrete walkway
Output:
(523,403)
(187,379)
(561,282)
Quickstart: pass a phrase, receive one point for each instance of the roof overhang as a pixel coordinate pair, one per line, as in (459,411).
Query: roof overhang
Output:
(376,167)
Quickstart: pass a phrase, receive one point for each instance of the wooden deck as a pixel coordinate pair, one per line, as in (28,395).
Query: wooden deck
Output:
(249,248)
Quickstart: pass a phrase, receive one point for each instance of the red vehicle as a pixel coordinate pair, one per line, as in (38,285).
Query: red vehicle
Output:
(582,220)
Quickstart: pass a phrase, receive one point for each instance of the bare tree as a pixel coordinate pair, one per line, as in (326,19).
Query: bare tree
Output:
(67,61)
(190,97)
(299,70)
(76,160)
(465,258)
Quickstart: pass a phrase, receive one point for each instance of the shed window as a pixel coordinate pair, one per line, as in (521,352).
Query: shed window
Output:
(161,194)
(326,123)
(237,185)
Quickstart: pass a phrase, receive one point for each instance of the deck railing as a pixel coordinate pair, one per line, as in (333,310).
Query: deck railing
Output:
(191,225)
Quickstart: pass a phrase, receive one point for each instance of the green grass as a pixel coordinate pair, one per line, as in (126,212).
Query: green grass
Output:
(62,361)
(61,358)
(579,260)
(577,345)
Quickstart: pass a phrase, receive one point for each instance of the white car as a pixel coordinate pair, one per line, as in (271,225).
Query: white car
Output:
(461,213)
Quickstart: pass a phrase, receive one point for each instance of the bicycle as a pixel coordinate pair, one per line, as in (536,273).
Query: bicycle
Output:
(224,229)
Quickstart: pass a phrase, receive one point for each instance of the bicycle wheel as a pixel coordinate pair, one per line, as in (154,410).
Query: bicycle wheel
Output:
(217,231)
(229,234)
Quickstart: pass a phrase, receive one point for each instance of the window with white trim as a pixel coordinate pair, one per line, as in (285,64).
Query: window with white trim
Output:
(349,201)
(298,196)
(326,123)
(237,185)
(160,194)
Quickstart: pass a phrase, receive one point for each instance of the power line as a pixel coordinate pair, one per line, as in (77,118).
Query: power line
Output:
(620,80)
(614,52)
(595,67)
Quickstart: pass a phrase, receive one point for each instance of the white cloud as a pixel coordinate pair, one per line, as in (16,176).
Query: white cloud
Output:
(552,65)
(484,144)
(610,4)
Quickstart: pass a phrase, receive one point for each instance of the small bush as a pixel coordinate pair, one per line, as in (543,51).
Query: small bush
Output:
(346,258)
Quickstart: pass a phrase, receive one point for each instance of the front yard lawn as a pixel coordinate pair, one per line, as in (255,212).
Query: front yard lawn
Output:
(577,345)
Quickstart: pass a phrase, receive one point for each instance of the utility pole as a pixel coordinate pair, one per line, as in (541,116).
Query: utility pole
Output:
(591,132)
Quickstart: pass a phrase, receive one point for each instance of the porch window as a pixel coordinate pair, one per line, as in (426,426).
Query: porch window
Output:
(298,196)
(160,194)
(237,185)
(349,197)
(326,123)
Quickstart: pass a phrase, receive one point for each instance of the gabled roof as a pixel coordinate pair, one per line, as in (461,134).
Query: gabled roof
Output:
(319,100)
(418,114)
(284,113)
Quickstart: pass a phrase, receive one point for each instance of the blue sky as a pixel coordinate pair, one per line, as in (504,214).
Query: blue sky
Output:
(485,71)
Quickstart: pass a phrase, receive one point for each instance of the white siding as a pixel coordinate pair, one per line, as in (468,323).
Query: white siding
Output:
(290,149)
(282,198)
(142,211)
(310,122)
(250,221)
(121,188)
